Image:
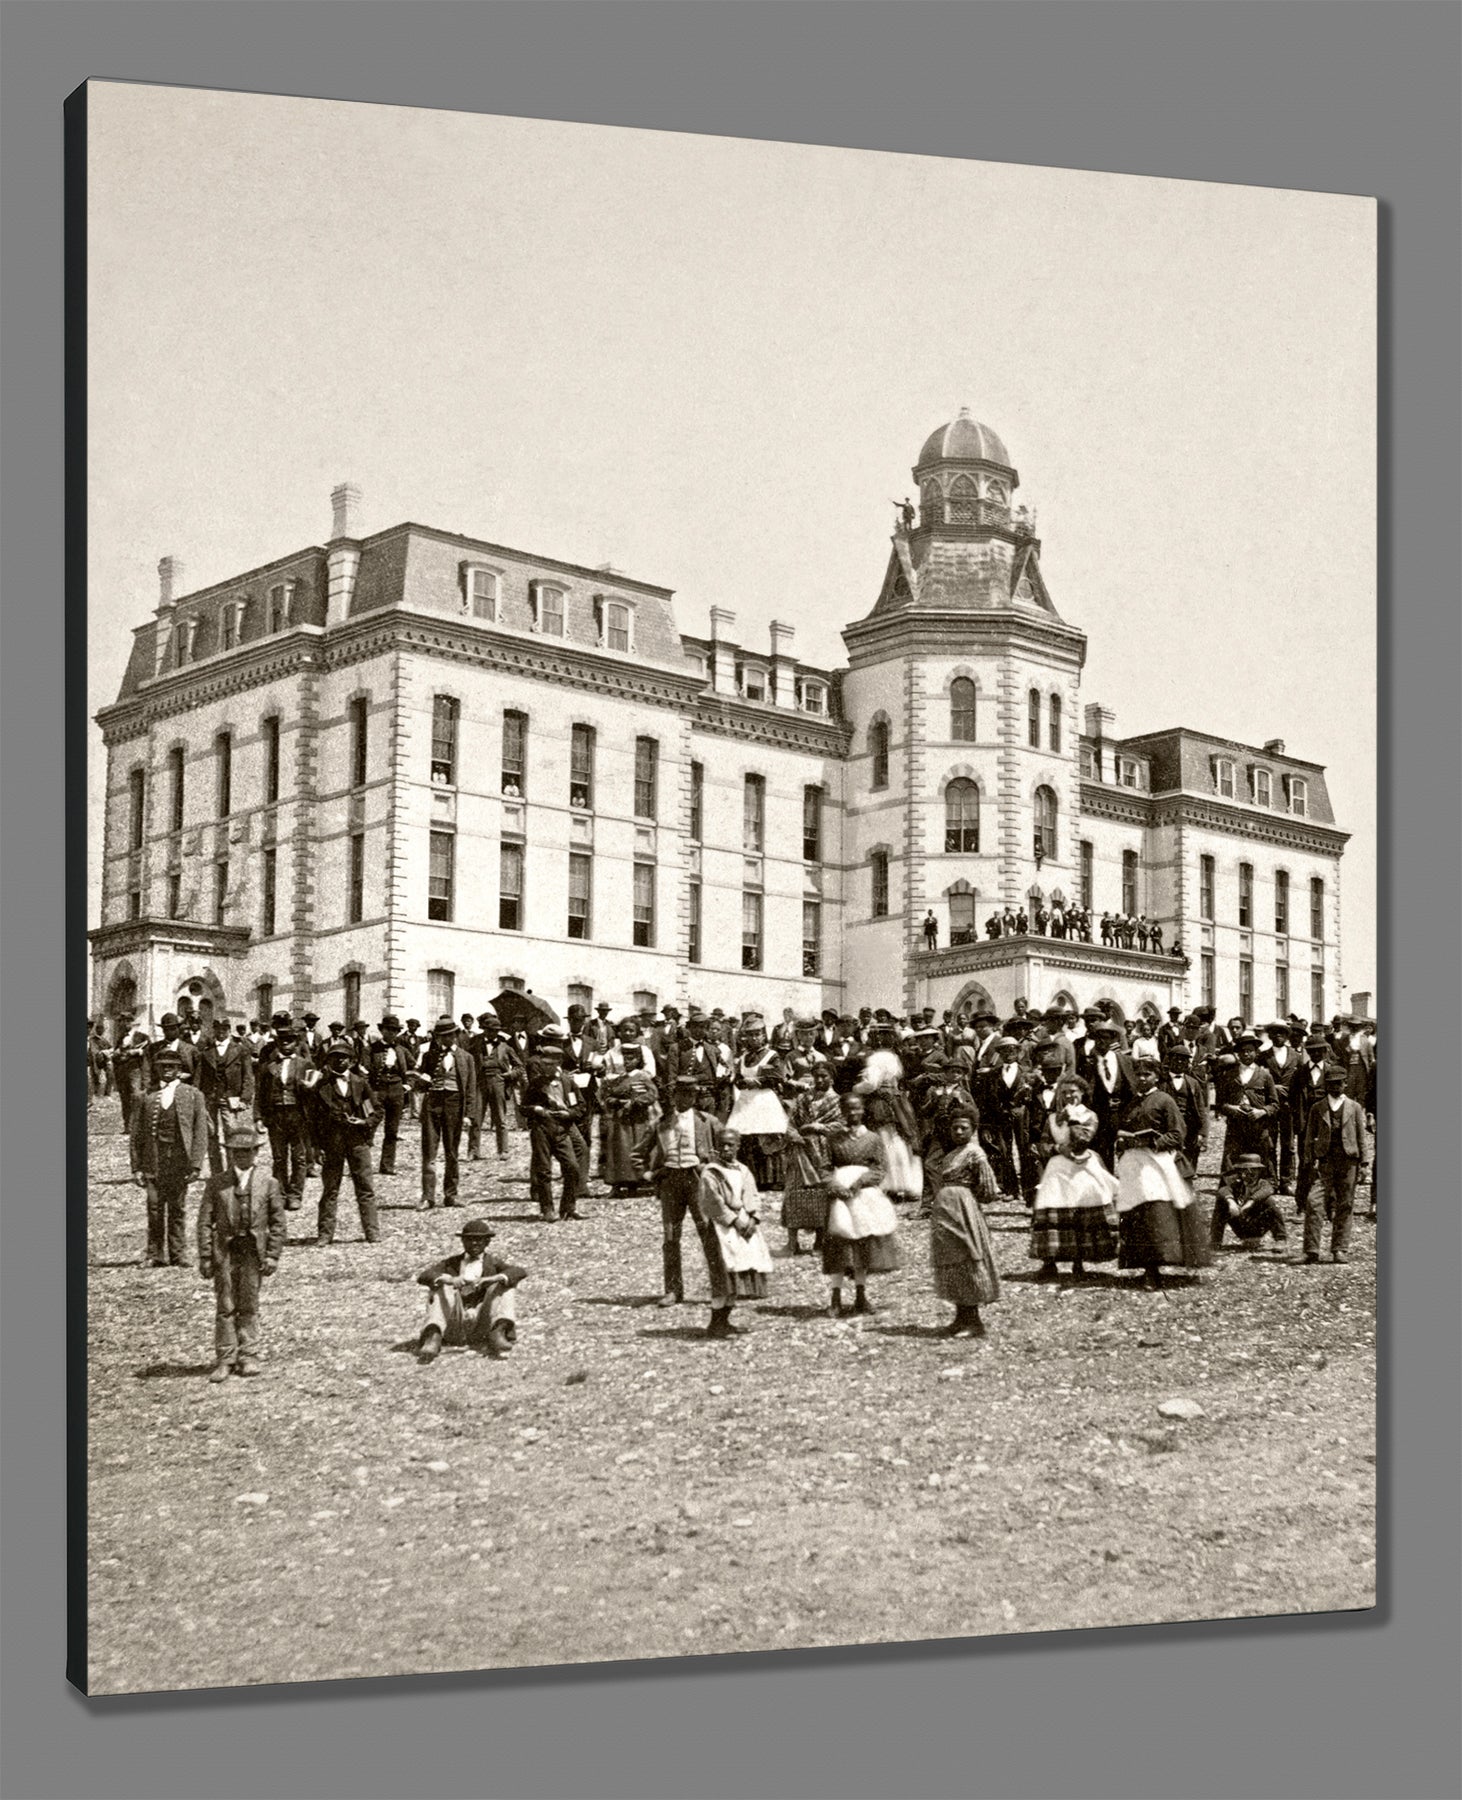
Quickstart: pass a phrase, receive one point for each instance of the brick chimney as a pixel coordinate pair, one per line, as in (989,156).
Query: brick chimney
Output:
(169,586)
(1100,721)
(784,666)
(1274,746)
(342,558)
(723,650)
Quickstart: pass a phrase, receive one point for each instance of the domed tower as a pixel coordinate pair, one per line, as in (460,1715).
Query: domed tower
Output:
(963,693)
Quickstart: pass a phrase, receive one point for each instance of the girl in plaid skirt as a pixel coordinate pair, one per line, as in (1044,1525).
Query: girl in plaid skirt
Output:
(1075,1215)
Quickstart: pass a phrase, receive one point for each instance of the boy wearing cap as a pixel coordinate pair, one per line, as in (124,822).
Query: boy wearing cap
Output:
(169,1142)
(499,1069)
(472,1299)
(281,1099)
(240,1240)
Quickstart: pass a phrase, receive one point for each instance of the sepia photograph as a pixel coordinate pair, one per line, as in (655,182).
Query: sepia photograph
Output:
(788,735)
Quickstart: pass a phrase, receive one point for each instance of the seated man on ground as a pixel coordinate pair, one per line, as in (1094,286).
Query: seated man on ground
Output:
(1245,1202)
(472,1297)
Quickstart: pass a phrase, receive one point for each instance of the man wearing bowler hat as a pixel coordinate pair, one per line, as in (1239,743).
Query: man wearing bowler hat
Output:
(1245,1202)
(1249,1103)
(1335,1150)
(169,1144)
(344,1112)
(446,1080)
(390,1060)
(472,1298)
(240,1241)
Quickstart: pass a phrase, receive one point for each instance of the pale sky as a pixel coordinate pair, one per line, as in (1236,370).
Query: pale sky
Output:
(712,361)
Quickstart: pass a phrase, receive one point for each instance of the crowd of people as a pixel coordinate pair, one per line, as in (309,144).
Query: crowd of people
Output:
(860,1122)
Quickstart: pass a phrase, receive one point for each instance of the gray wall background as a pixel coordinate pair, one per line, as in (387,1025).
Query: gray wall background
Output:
(1360,98)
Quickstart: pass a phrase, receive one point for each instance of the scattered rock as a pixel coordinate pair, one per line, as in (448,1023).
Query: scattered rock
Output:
(251,1499)
(439,1467)
(934,1479)
(628,1456)
(577,1378)
(955,1374)
(1181,1409)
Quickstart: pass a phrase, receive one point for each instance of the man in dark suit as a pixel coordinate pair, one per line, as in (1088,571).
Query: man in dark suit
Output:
(240,1241)
(472,1298)
(1281,1061)
(1306,1086)
(1335,1148)
(172,1042)
(1113,1087)
(169,1143)
(129,1066)
(556,1114)
(1191,1102)
(1170,1032)
(499,1074)
(281,1092)
(344,1114)
(1249,1104)
(684,1143)
(1003,1096)
(445,1079)
(225,1078)
(390,1060)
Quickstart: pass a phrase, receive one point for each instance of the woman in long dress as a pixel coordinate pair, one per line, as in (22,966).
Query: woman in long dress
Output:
(903,1173)
(815,1116)
(737,1259)
(1075,1216)
(960,1250)
(757,1112)
(1158,1222)
(629,1101)
(861,1238)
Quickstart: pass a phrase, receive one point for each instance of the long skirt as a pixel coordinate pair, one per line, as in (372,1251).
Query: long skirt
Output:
(857,1258)
(730,1284)
(763,1156)
(1159,1232)
(1074,1217)
(628,1137)
(804,1199)
(972,1280)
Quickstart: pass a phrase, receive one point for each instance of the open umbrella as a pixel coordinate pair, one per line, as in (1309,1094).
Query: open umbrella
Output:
(523,1012)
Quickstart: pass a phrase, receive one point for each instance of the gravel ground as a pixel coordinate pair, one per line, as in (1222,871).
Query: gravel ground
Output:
(620,1487)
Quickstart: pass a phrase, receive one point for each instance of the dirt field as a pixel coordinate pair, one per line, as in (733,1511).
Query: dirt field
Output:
(620,1487)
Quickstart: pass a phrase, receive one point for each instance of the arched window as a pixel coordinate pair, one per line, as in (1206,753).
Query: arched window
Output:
(931,502)
(1045,844)
(962,710)
(962,501)
(1055,733)
(878,753)
(962,817)
(1033,718)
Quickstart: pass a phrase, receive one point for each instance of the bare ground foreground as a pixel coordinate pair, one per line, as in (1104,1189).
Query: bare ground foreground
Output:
(620,1487)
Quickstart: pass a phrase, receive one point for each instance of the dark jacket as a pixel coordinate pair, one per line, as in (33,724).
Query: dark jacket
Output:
(192,1117)
(706,1127)
(464,1069)
(1347,1128)
(353,1114)
(491,1266)
(390,1079)
(218,1218)
(1192,1104)
(270,1091)
(225,1072)
(187,1058)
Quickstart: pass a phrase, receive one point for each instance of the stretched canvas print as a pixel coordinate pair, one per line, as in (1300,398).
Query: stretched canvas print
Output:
(731,878)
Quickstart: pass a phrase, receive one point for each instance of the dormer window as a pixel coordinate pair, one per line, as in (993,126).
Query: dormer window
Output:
(187,638)
(695,662)
(614,620)
(481,591)
(1223,776)
(231,623)
(812,696)
(1090,768)
(1261,787)
(281,602)
(1127,771)
(548,609)
(751,682)
(1298,791)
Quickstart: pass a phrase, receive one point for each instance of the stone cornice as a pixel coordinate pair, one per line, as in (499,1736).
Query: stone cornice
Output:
(937,632)
(1266,828)
(724,717)
(251,665)
(1131,806)
(1062,953)
(131,936)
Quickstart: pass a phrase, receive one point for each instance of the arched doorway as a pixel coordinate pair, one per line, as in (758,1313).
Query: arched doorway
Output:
(1066,1001)
(972,998)
(201,1000)
(1113,1009)
(121,1001)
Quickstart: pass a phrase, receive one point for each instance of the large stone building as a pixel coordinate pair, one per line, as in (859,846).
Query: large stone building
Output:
(406,769)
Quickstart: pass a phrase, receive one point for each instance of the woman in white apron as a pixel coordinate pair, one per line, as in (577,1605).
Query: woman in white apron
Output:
(1157,1220)
(757,1113)
(861,1238)
(1075,1218)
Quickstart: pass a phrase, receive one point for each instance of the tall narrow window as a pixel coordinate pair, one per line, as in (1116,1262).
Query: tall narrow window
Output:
(1317,908)
(223,750)
(1246,990)
(271,759)
(441,873)
(264,1002)
(644,906)
(269,892)
(693,947)
(878,863)
(220,891)
(1055,717)
(751,930)
(136,807)
(1045,833)
(515,755)
(1129,882)
(647,764)
(962,710)
(1299,796)
(1260,787)
(351,1008)
(510,887)
(962,817)
(356,899)
(1206,971)
(482,589)
(1281,991)
(1281,902)
(1246,894)
(359,740)
(278,607)
(228,626)
(1033,718)
(1206,868)
(962,916)
(581,882)
(878,753)
(697,802)
(811,937)
(754,815)
(441,992)
(548,609)
(616,625)
(174,893)
(581,767)
(812,824)
(1087,883)
(1091,763)
(446,710)
(1317,994)
(1223,777)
